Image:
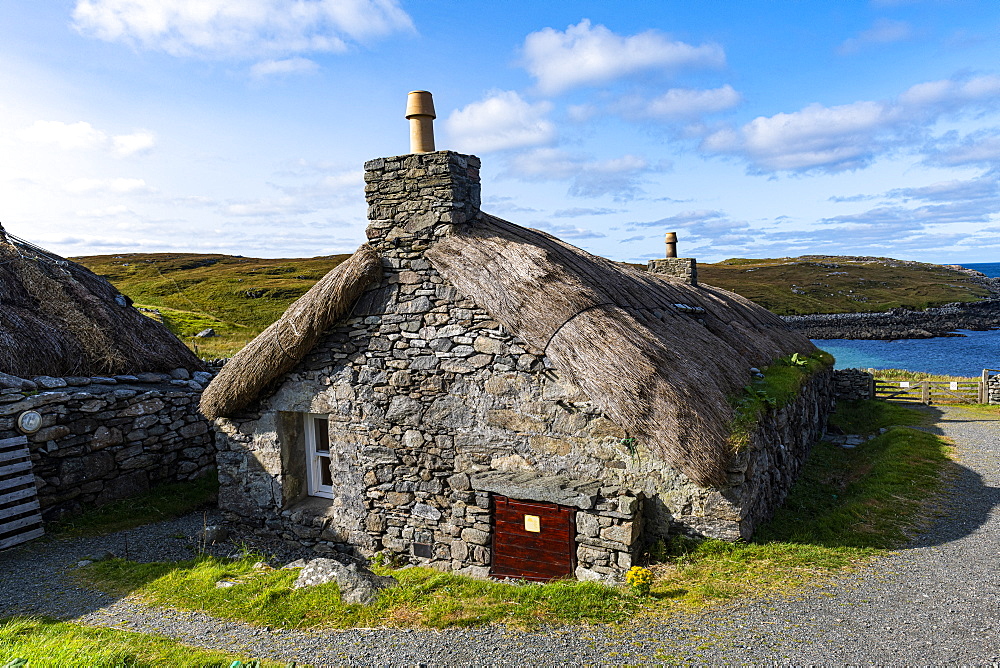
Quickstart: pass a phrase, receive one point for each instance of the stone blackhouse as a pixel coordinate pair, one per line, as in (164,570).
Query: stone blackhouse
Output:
(486,398)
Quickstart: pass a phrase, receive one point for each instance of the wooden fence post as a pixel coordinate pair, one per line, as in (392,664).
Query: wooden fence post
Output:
(984,391)
(925,392)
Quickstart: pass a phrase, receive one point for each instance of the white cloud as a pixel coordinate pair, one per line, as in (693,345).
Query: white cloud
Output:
(681,103)
(849,136)
(567,231)
(883,31)
(503,120)
(981,147)
(587,55)
(84,136)
(618,177)
(118,185)
(239,28)
(137,142)
(286,66)
(104,212)
(65,136)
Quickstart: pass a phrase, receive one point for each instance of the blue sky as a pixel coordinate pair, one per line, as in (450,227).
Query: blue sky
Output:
(752,129)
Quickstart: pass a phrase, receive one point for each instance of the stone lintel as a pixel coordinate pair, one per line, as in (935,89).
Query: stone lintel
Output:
(530,486)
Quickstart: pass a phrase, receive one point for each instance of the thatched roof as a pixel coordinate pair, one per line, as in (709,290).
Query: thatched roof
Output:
(286,341)
(659,357)
(58,318)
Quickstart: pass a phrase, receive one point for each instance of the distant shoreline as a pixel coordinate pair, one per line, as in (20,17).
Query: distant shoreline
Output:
(900,323)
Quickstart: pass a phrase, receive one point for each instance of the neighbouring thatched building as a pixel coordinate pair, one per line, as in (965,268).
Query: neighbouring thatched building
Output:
(58,318)
(97,401)
(487,398)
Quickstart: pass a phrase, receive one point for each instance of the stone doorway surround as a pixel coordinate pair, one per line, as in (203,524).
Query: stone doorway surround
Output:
(608,519)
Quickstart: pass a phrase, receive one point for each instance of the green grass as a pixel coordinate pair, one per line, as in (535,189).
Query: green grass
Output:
(805,285)
(425,598)
(848,507)
(903,374)
(779,386)
(159,503)
(236,296)
(868,417)
(50,643)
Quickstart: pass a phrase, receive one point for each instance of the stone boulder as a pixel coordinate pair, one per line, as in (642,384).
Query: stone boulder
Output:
(357,583)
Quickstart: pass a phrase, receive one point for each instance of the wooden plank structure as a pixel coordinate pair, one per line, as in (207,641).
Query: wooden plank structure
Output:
(533,540)
(930,391)
(20,516)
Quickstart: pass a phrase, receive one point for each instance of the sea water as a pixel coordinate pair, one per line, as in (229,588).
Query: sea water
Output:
(967,355)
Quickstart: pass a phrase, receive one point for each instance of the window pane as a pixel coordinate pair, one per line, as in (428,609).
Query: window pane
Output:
(322,429)
(324,471)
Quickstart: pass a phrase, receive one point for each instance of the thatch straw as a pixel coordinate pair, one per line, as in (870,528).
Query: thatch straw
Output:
(619,334)
(278,348)
(58,318)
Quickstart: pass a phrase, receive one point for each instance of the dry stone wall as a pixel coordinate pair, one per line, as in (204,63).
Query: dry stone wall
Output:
(426,394)
(108,438)
(993,389)
(853,384)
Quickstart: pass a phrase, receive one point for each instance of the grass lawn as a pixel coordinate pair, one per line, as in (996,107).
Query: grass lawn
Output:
(804,285)
(46,642)
(848,507)
(159,503)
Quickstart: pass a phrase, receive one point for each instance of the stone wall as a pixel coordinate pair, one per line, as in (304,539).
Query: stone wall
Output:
(762,474)
(853,384)
(993,389)
(426,394)
(684,268)
(104,439)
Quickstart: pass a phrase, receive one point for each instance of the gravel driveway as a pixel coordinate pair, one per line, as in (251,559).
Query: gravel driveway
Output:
(936,602)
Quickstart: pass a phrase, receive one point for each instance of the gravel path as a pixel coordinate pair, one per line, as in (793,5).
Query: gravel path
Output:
(936,602)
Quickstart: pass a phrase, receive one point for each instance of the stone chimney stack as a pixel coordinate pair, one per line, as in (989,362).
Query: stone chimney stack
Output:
(673,267)
(416,198)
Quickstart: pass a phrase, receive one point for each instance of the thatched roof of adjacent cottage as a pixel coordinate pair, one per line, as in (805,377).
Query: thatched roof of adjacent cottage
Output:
(277,349)
(659,357)
(58,318)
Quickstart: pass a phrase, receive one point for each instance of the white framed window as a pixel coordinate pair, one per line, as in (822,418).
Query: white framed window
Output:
(318,477)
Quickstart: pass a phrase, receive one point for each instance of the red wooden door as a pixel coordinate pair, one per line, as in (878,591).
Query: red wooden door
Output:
(532,540)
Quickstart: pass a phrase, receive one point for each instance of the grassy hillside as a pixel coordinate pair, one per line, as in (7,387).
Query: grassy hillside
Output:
(236,296)
(239,296)
(831,284)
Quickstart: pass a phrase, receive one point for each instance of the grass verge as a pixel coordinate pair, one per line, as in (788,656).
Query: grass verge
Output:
(46,642)
(160,503)
(779,385)
(425,598)
(849,506)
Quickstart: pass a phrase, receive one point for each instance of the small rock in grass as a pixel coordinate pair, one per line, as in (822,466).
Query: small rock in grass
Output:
(298,563)
(357,583)
(83,562)
(223,584)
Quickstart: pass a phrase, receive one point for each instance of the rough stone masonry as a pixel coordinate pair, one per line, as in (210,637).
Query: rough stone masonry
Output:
(433,406)
(108,438)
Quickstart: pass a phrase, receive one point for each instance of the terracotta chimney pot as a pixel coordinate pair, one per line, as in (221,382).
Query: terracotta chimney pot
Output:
(420,112)
(671,239)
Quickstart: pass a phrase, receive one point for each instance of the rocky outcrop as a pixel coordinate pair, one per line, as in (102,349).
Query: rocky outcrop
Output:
(900,323)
